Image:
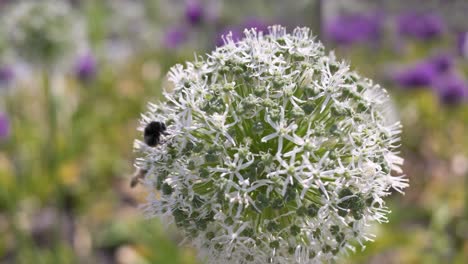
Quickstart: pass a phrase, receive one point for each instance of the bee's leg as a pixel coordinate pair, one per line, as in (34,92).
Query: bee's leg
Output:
(137,176)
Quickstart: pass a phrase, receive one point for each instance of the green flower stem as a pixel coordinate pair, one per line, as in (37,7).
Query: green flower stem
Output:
(50,147)
(466,195)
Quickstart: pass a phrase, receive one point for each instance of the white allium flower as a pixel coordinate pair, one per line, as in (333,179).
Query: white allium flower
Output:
(42,33)
(130,29)
(275,152)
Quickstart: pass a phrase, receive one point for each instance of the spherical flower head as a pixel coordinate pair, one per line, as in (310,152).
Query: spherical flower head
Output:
(451,88)
(194,12)
(274,152)
(462,43)
(86,67)
(42,33)
(7,74)
(175,37)
(354,28)
(129,25)
(4,126)
(415,76)
(423,73)
(442,63)
(423,26)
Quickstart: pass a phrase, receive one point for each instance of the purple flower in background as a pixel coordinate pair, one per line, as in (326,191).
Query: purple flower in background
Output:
(175,36)
(354,28)
(442,63)
(257,23)
(422,26)
(236,33)
(194,12)
(6,74)
(462,44)
(423,73)
(4,126)
(451,89)
(419,75)
(86,67)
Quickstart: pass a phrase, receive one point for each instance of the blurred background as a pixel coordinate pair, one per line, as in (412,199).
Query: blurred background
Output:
(67,122)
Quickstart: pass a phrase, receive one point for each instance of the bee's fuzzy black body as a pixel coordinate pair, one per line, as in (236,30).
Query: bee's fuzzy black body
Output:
(153,132)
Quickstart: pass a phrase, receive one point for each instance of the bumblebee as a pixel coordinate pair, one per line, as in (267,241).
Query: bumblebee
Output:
(153,132)
(152,137)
